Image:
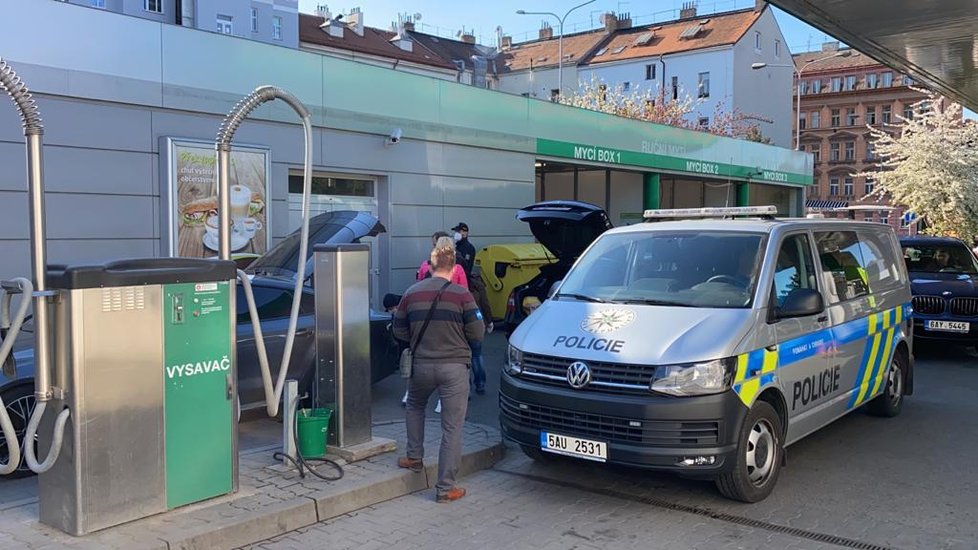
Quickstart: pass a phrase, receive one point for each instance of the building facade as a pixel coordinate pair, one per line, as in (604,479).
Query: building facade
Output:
(271,21)
(843,93)
(707,58)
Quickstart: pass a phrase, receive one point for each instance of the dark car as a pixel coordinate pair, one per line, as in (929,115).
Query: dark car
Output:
(566,229)
(944,282)
(273,284)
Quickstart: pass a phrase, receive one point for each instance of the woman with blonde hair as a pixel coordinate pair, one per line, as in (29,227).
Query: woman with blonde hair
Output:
(439,319)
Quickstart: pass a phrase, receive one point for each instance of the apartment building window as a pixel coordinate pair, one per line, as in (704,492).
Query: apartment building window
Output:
(675,87)
(777,48)
(555,93)
(277,30)
(872,81)
(870,186)
(833,187)
(704,85)
(908,111)
(155,6)
(850,83)
(98,3)
(704,121)
(870,151)
(816,152)
(887,79)
(834,150)
(254,20)
(885,114)
(867,216)
(757,40)
(835,118)
(816,119)
(650,72)
(871,114)
(626,86)
(850,152)
(884,219)
(847,187)
(801,121)
(907,81)
(851,116)
(802,88)
(817,86)
(224,25)
(836,83)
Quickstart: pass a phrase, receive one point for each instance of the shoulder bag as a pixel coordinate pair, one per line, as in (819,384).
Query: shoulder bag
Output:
(407,356)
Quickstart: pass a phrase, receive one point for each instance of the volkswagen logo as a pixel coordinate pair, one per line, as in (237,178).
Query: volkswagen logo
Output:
(578,375)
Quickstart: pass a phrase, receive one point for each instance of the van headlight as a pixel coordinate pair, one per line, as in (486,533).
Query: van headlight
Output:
(514,361)
(694,379)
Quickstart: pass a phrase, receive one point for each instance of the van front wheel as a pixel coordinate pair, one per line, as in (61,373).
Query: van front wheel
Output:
(890,402)
(757,463)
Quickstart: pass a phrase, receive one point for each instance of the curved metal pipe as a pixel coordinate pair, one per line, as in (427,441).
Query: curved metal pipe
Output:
(262,94)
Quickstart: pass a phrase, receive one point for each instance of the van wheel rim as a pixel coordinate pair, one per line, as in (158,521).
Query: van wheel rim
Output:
(761,453)
(895,383)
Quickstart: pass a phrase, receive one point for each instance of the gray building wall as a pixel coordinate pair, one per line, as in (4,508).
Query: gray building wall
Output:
(106,115)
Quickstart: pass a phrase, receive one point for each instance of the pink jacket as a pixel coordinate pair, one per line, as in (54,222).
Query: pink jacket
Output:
(458,274)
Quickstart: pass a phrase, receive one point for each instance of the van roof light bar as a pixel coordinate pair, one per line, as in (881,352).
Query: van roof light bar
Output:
(711,212)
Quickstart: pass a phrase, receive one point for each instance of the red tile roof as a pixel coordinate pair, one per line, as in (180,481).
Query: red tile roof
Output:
(373,42)
(706,31)
(854,60)
(544,53)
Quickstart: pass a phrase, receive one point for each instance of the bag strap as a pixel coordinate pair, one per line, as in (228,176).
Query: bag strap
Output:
(427,319)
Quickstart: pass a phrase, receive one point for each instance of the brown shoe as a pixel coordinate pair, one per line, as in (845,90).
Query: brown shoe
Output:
(450,495)
(413,464)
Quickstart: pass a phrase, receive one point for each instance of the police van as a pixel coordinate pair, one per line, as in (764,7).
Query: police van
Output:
(706,346)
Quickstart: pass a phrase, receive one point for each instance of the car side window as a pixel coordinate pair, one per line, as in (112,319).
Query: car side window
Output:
(843,267)
(271,303)
(794,269)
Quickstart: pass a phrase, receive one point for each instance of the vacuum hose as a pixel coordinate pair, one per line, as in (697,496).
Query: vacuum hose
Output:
(33,131)
(6,346)
(262,94)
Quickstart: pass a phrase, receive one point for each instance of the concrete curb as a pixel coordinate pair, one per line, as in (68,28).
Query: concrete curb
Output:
(279,519)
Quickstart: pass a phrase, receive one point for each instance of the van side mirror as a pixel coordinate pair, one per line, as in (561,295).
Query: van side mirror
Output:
(801,302)
(553,289)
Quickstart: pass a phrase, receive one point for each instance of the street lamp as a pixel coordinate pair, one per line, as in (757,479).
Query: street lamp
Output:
(797,71)
(560,39)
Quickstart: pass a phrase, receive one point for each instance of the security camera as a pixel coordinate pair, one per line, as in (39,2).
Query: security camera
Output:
(394,138)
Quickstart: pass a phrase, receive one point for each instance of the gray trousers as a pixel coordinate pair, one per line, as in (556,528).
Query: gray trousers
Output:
(452,382)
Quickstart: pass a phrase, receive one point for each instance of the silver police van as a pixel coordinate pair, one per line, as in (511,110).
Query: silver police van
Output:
(706,346)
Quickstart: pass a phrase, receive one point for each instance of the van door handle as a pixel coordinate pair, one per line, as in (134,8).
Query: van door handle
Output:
(772,347)
(822,319)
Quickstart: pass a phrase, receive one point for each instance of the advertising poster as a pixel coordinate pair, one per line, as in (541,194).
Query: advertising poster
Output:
(194,203)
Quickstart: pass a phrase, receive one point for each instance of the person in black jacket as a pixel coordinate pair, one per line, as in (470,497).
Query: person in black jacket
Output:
(465,249)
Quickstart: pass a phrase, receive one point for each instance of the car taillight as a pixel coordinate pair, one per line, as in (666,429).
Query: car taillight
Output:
(511,305)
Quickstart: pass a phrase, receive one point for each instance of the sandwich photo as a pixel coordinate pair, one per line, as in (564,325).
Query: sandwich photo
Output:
(257,204)
(194,214)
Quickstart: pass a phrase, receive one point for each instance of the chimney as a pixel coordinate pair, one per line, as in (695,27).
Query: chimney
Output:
(546,32)
(625,21)
(830,46)
(506,42)
(610,22)
(322,10)
(468,38)
(355,21)
(688,10)
(409,26)
(759,5)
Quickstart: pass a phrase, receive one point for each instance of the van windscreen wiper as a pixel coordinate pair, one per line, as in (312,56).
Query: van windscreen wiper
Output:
(650,302)
(582,297)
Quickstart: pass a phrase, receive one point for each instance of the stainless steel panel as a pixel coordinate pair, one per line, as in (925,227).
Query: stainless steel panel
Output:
(343,341)
(111,467)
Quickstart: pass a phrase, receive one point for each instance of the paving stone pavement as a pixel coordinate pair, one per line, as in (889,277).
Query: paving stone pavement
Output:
(503,511)
(269,499)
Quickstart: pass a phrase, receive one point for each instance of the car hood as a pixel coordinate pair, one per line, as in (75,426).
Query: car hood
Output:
(566,228)
(337,227)
(936,284)
(635,334)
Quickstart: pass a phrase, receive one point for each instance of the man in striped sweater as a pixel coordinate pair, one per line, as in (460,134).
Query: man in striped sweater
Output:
(442,356)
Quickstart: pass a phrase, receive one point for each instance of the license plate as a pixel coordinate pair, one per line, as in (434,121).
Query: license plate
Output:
(573,446)
(948,326)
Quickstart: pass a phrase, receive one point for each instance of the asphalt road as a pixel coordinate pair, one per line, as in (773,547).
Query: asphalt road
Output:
(862,482)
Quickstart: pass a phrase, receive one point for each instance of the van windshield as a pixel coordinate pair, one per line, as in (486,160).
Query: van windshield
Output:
(679,268)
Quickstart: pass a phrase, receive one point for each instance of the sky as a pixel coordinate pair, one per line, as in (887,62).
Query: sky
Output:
(448,18)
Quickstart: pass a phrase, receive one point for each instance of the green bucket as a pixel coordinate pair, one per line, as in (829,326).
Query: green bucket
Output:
(312,426)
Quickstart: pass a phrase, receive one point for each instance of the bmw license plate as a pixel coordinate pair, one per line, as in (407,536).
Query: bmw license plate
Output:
(573,446)
(948,326)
